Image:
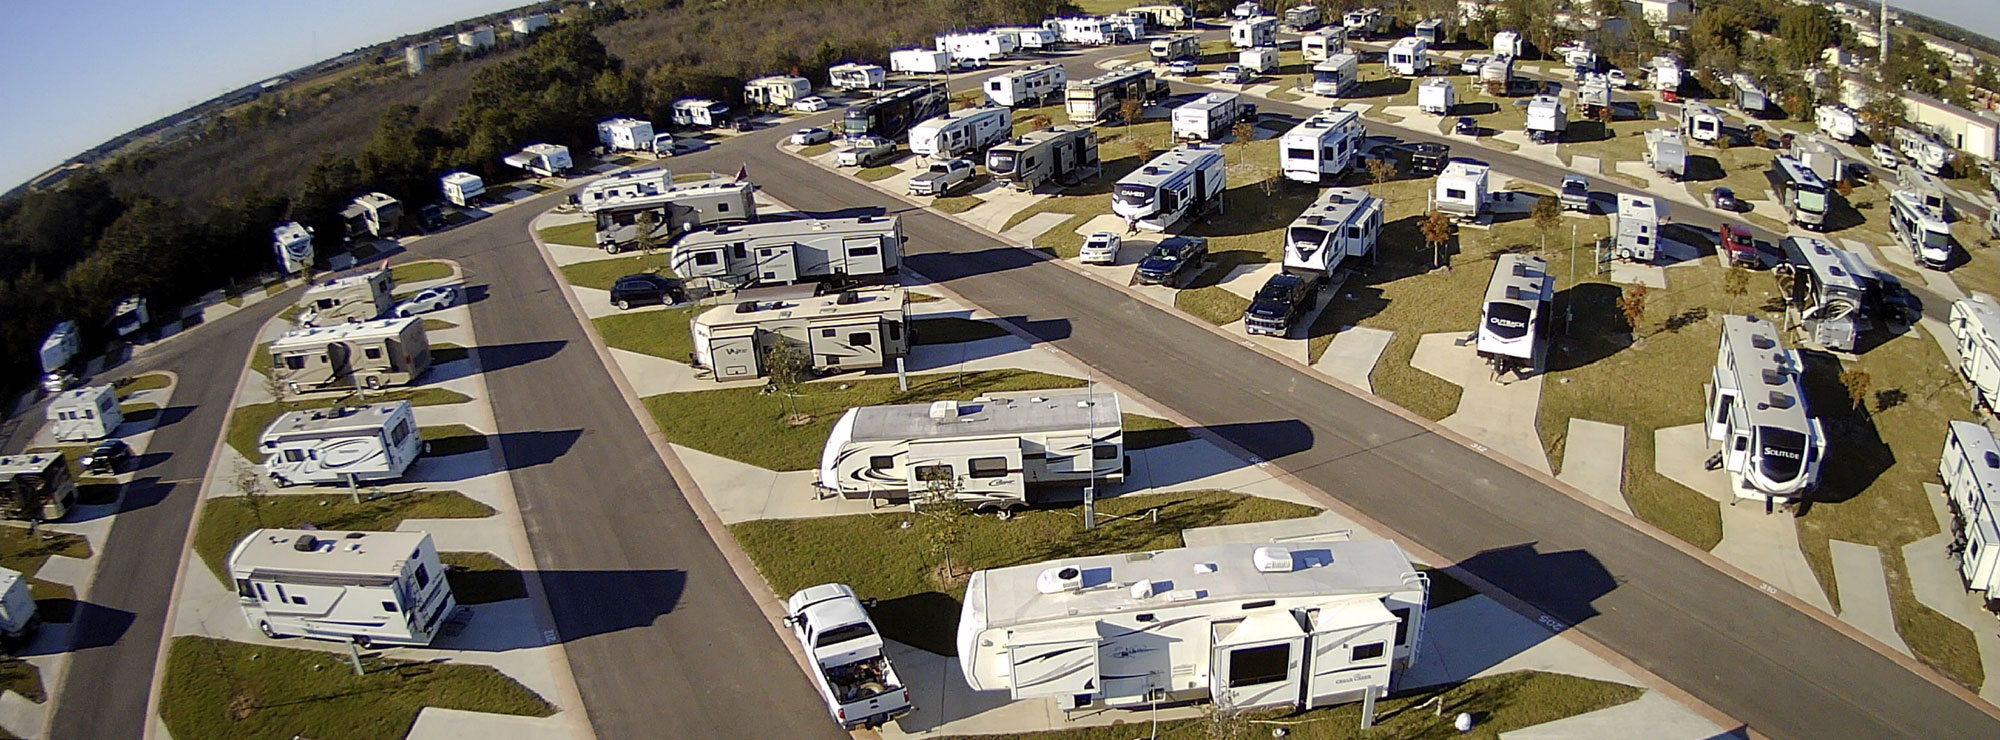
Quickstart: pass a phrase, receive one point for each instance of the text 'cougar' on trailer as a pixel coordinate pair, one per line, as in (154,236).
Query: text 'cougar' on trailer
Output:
(992,452)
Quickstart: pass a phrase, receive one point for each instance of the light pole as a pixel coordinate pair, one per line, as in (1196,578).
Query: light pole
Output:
(1090,488)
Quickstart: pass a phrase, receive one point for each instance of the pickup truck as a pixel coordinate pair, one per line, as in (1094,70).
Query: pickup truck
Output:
(941,177)
(1280,303)
(866,151)
(1575,193)
(852,674)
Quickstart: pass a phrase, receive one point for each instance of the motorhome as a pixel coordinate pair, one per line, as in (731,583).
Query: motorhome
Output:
(1261,60)
(1210,116)
(1305,624)
(891,114)
(1975,324)
(978,49)
(85,414)
(1366,23)
(1666,151)
(1701,123)
(352,298)
(1184,181)
(1635,228)
(855,76)
(920,61)
(1548,118)
(1302,17)
(341,445)
(1830,289)
(294,244)
(1165,16)
(36,486)
(1593,95)
(776,91)
(629,135)
(58,351)
(1430,31)
(1337,76)
(1321,45)
(1836,121)
(1462,189)
(998,452)
(961,133)
(853,330)
(672,211)
(1509,44)
(1926,190)
(1513,318)
(1177,46)
(1343,223)
(373,214)
(699,113)
(463,189)
(1126,28)
(1927,237)
(1410,57)
(1098,98)
(1061,154)
(1437,96)
(1771,448)
(1253,32)
(368,588)
(1030,85)
(834,250)
(18,620)
(1667,81)
(1083,31)
(368,354)
(1799,191)
(1321,147)
(129,316)
(1749,96)
(1970,469)
(547,160)
(1822,158)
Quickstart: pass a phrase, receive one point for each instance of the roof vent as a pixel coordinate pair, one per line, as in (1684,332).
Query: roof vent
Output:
(354,535)
(1059,580)
(944,410)
(1520,269)
(1143,589)
(305,543)
(1763,341)
(1272,560)
(1781,401)
(1993,459)
(1773,377)
(847,298)
(747,307)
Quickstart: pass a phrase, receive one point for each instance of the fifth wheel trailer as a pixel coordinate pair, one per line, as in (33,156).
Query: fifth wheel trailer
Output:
(1514,317)
(294,245)
(1098,98)
(462,189)
(1180,183)
(853,76)
(1322,146)
(1061,154)
(345,444)
(835,250)
(996,452)
(367,354)
(853,330)
(369,588)
(547,160)
(673,210)
(961,132)
(352,298)
(1970,469)
(1028,85)
(1666,151)
(1975,323)
(1756,409)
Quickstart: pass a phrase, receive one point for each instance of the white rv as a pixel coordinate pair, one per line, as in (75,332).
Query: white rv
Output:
(1593,94)
(1800,191)
(961,133)
(625,135)
(1667,77)
(637,183)
(1083,31)
(1303,624)
(1970,468)
(854,76)
(1547,119)
(463,189)
(1302,17)
(59,349)
(547,160)
(1509,43)
(1321,45)
(1462,188)
(674,210)
(1164,16)
(1252,32)
(699,113)
(1183,181)
(1342,223)
(1322,146)
(1061,154)
(1126,27)
(1975,323)
(1098,98)
(1032,38)
(1701,123)
(1437,96)
(18,619)
(369,588)
(1927,237)
(352,298)
(1666,151)
(1513,319)
(1635,228)
(347,444)
(1260,60)
(776,91)
(1410,57)
(1830,289)
(1822,158)
(978,48)
(85,414)
(1924,188)
(997,450)
(1924,152)
(364,354)
(854,330)
(785,252)
(1337,76)
(1836,121)
(1179,46)
(920,61)
(1366,23)
(1756,409)
(373,214)
(294,245)
(129,316)
(1028,85)
(1430,31)
(1209,117)
(36,486)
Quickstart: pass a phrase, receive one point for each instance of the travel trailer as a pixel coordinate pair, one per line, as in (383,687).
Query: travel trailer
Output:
(85,414)
(699,113)
(891,114)
(367,354)
(1927,237)
(1970,468)
(59,350)
(1322,146)
(1098,98)
(18,620)
(1770,447)
(1514,317)
(1666,151)
(1182,182)
(1301,17)
(294,245)
(776,91)
(1975,323)
(835,250)
(1060,154)
(1822,158)
(1083,31)
(1337,76)
(998,451)
(920,62)
(1701,123)
(1210,116)
(129,316)
(630,135)
(1165,16)
(1830,289)
(675,210)
(547,160)
(1924,152)
(1498,73)
(1303,624)
(1667,79)
(1253,32)
(373,214)
(634,183)
(1509,43)
(961,133)
(1033,38)
(1799,190)
(1178,46)
(341,445)
(1437,96)
(1836,121)
(854,330)
(1462,189)
(463,189)
(1028,85)
(1635,228)
(1343,223)
(1257,61)
(1321,45)
(1548,118)
(352,298)
(1365,23)
(1430,31)
(1410,57)
(368,588)
(978,49)
(853,76)
(1926,190)
(850,669)
(36,486)
(1593,95)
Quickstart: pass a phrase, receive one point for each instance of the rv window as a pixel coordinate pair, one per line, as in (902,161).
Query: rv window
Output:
(84,414)
(423,576)
(868,251)
(295,362)
(1258,604)
(1369,651)
(706,258)
(1402,625)
(741,253)
(828,333)
(326,303)
(1294,153)
(1644,240)
(243,588)
(373,353)
(282,598)
(389,606)
(1259,665)
(294,456)
(1104,452)
(929,473)
(1722,413)
(1742,443)
(881,462)
(861,339)
(830,360)
(987,467)
(261,596)
(722,208)
(1454,193)
(300,600)
(397,434)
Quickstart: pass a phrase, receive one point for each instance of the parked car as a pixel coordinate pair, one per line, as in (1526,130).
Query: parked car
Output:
(1736,242)
(810,136)
(643,288)
(427,300)
(1180,67)
(1724,199)
(1173,262)
(1472,64)
(1465,126)
(106,458)
(1100,248)
(1575,193)
(1618,78)
(431,216)
(1886,157)
(942,176)
(867,151)
(810,104)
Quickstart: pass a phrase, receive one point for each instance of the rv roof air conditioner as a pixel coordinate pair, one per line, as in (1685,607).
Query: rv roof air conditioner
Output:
(944,410)
(1780,400)
(1143,589)
(1773,377)
(1060,579)
(748,307)
(305,543)
(1761,341)
(1272,560)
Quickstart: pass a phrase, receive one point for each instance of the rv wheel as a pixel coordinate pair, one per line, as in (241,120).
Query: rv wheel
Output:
(612,249)
(1625,254)
(363,641)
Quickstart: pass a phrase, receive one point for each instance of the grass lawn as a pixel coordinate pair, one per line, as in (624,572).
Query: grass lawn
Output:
(221,689)
(260,359)
(1143,432)
(438,325)
(882,559)
(451,439)
(1502,703)
(247,423)
(226,520)
(26,554)
(955,203)
(482,578)
(1212,303)
(22,677)
(748,425)
(662,333)
(579,234)
(600,274)
(417,272)
(816,149)
(953,329)
(143,382)
(873,174)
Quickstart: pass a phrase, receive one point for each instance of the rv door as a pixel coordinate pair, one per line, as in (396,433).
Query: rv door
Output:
(339,364)
(1257,661)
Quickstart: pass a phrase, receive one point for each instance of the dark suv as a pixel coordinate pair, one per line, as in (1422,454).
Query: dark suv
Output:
(644,288)
(1173,262)
(1280,303)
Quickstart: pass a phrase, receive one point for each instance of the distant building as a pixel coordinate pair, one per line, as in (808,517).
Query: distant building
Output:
(1958,56)
(1974,132)
(475,39)
(1662,12)
(273,83)
(418,56)
(528,24)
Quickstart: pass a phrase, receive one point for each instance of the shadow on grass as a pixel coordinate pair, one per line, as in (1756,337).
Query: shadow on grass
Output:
(1597,329)
(1850,428)
(1703,168)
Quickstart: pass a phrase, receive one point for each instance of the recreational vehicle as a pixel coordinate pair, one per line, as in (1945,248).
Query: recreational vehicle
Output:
(1321,45)
(1926,190)
(1635,228)
(1322,146)
(1666,151)
(891,114)
(1756,409)
(1252,32)
(368,588)
(1509,44)
(1126,28)
(294,245)
(776,91)
(1548,118)
(997,451)
(1975,324)
(1366,23)
(1829,289)
(1260,60)
(854,330)
(1437,96)
(1302,17)
(1165,16)
(1059,153)
(1701,123)
(1098,98)
(920,61)
(853,76)
(1337,76)
(1083,31)
(1836,121)
(978,49)
(1410,57)
(1801,192)
(628,135)
(1749,97)
(1820,157)
(1926,236)
(1462,189)
(367,354)
(129,316)
(783,252)
(1178,46)
(1342,223)
(1303,624)
(1513,319)
(1184,181)
(463,189)
(672,211)
(373,214)
(59,350)
(547,160)
(1970,468)
(1593,94)
(341,445)
(85,414)
(36,486)
(699,113)
(1033,38)
(1667,80)
(1430,31)
(1209,117)
(352,298)
(636,183)
(1497,73)
(961,133)
(1924,152)
(18,620)
(1028,85)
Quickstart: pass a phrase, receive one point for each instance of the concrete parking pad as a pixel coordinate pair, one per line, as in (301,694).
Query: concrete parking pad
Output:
(1594,461)
(1765,545)
(1000,206)
(1631,273)
(1031,227)
(1495,412)
(1652,716)
(1350,358)
(1934,578)
(451,724)
(1864,592)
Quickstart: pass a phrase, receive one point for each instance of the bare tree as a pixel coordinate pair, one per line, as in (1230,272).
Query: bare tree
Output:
(1039,122)
(1633,305)
(1379,172)
(250,482)
(1222,720)
(646,240)
(946,517)
(1132,109)
(1245,132)
(1856,382)
(1144,149)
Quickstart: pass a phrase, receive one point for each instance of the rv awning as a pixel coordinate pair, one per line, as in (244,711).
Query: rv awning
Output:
(1054,661)
(519,160)
(1260,627)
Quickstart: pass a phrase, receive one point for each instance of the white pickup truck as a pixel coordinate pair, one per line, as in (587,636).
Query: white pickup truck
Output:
(941,177)
(853,676)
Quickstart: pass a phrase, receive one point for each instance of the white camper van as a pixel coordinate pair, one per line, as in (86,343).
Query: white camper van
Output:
(1970,468)
(1437,96)
(961,133)
(1337,76)
(463,189)
(1410,57)
(294,244)
(1666,151)
(1513,319)
(853,76)
(1322,146)
(1028,85)
(1975,323)
(854,330)
(1184,181)
(998,450)
(1756,410)
(36,485)
(547,160)
(348,444)
(369,588)
(85,414)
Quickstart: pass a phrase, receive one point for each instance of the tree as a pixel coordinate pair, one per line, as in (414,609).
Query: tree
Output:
(788,367)
(1245,133)
(250,482)
(1380,170)
(1131,109)
(647,239)
(1633,305)
(1144,149)
(1436,228)
(1807,30)
(1547,213)
(1856,382)
(1038,122)
(945,517)
(1221,720)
